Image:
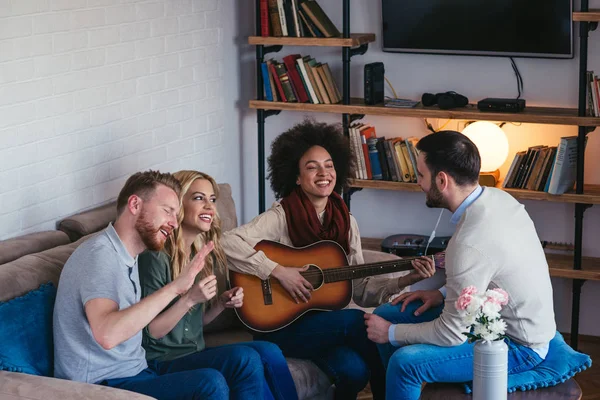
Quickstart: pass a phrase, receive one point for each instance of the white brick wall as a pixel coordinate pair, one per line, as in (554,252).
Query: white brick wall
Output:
(94,90)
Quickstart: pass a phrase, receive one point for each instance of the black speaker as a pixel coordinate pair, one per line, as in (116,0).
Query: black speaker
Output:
(445,100)
(374,75)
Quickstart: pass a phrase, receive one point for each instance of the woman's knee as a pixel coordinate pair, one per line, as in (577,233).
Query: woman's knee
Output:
(266,350)
(212,385)
(247,357)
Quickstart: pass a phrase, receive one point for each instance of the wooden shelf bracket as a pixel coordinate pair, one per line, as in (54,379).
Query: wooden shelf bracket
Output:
(272,49)
(360,50)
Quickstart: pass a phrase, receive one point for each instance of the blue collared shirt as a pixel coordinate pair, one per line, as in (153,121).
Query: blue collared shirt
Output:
(466,203)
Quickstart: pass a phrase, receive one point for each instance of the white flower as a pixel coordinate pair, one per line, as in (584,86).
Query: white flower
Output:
(489,336)
(491,310)
(480,330)
(469,319)
(474,305)
(497,326)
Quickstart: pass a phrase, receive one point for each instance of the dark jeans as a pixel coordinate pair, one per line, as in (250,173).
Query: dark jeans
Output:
(279,383)
(221,373)
(337,342)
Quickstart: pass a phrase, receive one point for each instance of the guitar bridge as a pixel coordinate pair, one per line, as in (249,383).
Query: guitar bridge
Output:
(266,289)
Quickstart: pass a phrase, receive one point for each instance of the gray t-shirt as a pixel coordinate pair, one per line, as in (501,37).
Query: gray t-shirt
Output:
(100,267)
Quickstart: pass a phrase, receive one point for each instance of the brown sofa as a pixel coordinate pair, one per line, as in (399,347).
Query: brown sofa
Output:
(31,260)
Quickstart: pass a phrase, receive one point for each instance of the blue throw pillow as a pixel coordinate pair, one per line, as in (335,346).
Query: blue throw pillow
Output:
(26,332)
(561,364)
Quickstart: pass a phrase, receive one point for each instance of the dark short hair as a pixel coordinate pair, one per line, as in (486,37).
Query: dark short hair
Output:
(453,153)
(143,184)
(289,147)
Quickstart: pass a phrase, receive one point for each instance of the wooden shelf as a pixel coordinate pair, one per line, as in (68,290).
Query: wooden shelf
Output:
(561,265)
(590,16)
(591,193)
(540,115)
(355,40)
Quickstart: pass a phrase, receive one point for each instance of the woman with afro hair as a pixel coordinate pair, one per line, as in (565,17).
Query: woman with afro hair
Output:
(308,166)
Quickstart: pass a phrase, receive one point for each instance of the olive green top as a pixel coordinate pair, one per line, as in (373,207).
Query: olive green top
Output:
(186,337)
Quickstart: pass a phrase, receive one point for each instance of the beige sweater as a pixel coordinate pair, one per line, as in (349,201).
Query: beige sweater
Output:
(239,245)
(495,245)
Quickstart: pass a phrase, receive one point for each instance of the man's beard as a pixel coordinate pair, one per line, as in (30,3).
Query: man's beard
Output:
(434,198)
(148,233)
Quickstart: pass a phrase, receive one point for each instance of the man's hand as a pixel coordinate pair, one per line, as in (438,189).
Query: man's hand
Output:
(202,291)
(186,278)
(232,298)
(424,268)
(293,282)
(430,298)
(377,328)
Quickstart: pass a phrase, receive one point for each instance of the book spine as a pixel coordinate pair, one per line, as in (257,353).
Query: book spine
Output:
(266,81)
(274,17)
(264,18)
(374,159)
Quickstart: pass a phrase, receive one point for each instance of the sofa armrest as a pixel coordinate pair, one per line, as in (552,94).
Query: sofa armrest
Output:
(18,386)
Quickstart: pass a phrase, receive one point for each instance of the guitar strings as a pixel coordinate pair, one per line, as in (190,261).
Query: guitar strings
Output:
(364,267)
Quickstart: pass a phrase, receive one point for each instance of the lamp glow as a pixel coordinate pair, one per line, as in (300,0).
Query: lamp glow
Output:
(491,143)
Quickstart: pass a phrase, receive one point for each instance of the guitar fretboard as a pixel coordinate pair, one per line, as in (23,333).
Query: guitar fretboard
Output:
(362,271)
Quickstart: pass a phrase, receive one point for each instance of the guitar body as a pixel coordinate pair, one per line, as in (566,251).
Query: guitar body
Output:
(269,307)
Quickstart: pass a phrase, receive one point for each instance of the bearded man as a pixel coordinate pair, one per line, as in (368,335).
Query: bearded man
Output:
(495,245)
(99,315)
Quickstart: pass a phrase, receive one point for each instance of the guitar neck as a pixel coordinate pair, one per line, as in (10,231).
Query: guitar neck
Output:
(361,271)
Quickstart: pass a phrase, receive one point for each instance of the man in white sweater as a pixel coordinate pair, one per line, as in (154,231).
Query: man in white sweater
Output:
(495,245)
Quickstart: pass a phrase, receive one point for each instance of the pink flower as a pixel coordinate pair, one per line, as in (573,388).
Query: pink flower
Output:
(463,301)
(470,290)
(497,296)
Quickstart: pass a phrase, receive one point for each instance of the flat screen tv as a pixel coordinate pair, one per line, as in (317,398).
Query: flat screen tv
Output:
(515,28)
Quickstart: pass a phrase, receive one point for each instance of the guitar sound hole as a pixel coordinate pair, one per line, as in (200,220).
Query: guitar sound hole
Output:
(314,275)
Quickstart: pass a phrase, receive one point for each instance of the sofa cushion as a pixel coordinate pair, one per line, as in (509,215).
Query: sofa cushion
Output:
(11,249)
(27,339)
(226,208)
(15,386)
(29,272)
(90,221)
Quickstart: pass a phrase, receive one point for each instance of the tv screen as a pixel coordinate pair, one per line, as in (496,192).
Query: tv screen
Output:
(519,28)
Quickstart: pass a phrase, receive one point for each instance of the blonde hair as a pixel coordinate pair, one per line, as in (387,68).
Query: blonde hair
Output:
(175,246)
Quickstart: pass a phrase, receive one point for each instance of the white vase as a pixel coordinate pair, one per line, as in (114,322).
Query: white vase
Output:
(490,366)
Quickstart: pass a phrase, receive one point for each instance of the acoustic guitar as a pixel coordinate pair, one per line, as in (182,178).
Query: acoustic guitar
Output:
(269,307)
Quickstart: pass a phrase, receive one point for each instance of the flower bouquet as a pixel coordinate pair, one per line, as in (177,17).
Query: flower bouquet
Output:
(481,313)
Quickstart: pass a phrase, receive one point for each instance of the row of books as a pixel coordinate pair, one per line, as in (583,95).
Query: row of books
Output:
(550,169)
(299,80)
(378,158)
(295,18)
(593,95)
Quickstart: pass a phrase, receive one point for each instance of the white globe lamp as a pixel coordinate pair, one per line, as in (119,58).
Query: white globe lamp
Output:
(493,149)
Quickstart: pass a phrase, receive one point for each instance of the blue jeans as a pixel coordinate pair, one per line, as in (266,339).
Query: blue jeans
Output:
(279,384)
(229,372)
(410,366)
(336,341)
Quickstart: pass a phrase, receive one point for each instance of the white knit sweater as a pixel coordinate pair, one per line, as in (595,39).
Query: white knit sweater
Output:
(495,245)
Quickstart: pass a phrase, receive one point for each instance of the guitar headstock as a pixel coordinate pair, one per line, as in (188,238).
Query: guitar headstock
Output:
(440,259)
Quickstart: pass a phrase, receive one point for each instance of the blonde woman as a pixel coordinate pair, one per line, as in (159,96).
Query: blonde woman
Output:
(178,331)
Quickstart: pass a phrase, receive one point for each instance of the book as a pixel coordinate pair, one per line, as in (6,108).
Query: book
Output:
(565,166)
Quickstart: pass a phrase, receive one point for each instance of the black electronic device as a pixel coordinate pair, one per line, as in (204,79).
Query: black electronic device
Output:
(374,76)
(444,101)
(531,28)
(413,245)
(501,105)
